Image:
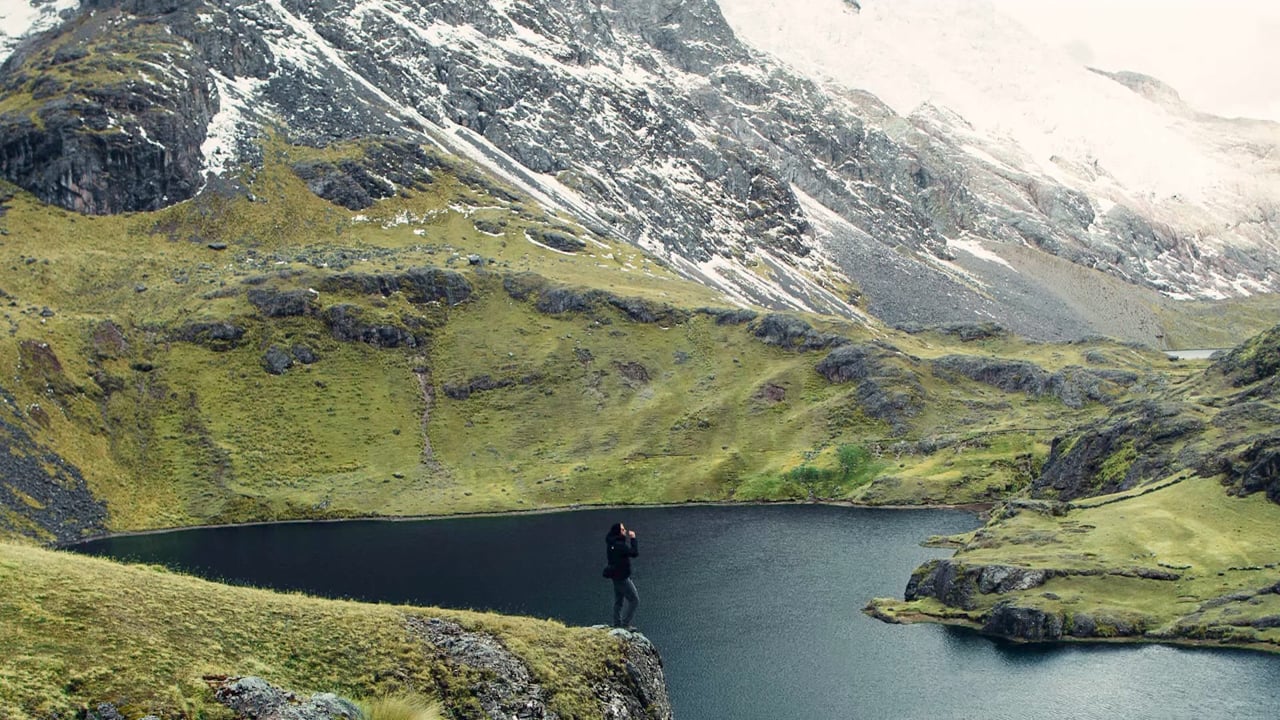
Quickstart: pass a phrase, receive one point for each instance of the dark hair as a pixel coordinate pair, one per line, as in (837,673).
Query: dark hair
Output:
(615,530)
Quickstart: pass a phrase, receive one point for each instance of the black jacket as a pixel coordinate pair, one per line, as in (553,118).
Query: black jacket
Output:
(620,550)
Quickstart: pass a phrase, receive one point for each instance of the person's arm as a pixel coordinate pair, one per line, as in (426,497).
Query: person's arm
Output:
(635,548)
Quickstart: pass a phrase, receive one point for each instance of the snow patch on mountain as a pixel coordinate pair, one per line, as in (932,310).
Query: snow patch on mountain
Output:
(20,19)
(1020,99)
(232,125)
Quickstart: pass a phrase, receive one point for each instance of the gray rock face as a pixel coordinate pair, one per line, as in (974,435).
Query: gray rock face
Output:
(1074,386)
(117,145)
(1133,445)
(276,304)
(792,333)
(648,121)
(956,584)
(1255,469)
(1029,624)
(640,691)
(420,285)
(64,508)
(347,323)
(505,687)
(218,336)
(1254,361)
(253,698)
(888,388)
(276,360)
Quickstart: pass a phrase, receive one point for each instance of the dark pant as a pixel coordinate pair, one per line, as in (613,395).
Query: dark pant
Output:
(624,589)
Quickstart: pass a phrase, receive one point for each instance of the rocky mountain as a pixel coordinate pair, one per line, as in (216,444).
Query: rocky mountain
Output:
(701,139)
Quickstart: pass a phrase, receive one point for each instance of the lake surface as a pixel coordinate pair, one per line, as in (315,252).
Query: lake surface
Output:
(756,609)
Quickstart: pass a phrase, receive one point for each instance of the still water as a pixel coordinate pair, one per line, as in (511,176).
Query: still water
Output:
(756,609)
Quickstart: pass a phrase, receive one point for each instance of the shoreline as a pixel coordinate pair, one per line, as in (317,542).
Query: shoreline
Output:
(978,509)
(920,618)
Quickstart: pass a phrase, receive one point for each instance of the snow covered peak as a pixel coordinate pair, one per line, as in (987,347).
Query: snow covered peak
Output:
(972,59)
(22,18)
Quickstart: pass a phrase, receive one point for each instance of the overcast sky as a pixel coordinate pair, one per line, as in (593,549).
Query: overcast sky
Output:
(1223,56)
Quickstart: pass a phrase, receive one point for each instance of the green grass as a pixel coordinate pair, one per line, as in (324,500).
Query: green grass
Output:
(79,630)
(401,707)
(208,436)
(1220,546)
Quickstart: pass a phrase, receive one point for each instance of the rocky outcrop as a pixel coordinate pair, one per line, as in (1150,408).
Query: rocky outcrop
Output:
(1074,386)
(636,687)
(792,333)
(277,303)
(217,336)
(276,360)
(481,383)
(1023,623)
(384,168)
(504,685)
(252,698)
(419,285)
(560,299)
(561,240)
(957,585)
(1256,468)
(348,323)
(966,332)
(1135,445)
(727,316)
(887,387)
(1254,361)
(113,121)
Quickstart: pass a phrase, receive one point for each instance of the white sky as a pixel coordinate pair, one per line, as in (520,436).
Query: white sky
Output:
(1222,56)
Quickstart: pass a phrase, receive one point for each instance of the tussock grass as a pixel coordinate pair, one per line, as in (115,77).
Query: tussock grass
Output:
(401,707)
(80,630)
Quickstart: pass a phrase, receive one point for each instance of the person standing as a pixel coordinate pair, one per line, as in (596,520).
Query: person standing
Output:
(621,546)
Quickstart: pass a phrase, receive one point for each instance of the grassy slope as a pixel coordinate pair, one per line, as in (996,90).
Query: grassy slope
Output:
(209,436)
(80,630)
(1221,546)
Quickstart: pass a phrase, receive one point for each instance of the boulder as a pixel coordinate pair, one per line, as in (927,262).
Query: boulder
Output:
(347,323)
(276,360)
(276,304)
(217,336)
(792,333)
(253,698)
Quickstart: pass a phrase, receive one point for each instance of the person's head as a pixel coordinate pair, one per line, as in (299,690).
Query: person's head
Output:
(618,529)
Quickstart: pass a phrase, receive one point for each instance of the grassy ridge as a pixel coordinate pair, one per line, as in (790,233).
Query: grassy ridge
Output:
(80,630)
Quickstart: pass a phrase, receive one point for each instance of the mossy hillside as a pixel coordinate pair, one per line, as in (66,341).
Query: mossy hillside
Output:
(1220,550)
(1165,532)
(1218,324)
(172,432)
(79,631)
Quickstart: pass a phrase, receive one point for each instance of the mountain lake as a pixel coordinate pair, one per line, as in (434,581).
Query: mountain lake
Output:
(755,609)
